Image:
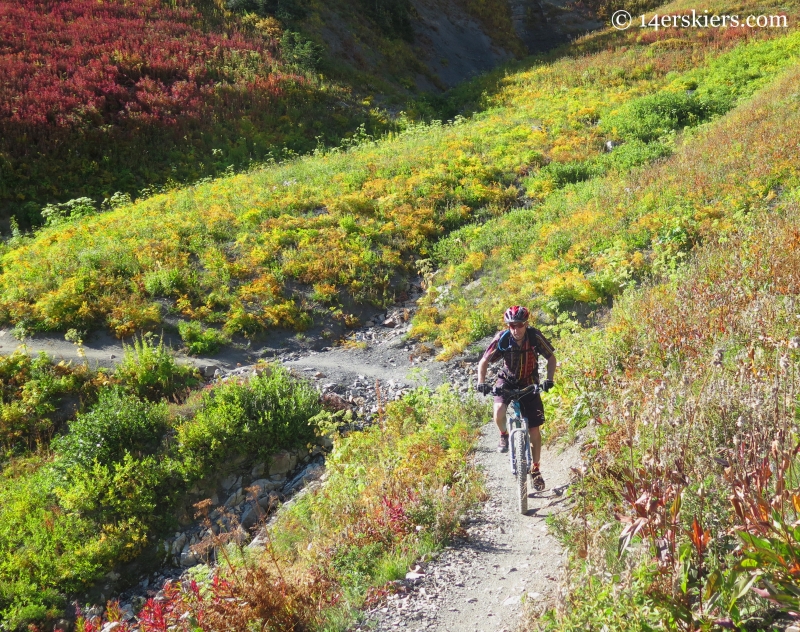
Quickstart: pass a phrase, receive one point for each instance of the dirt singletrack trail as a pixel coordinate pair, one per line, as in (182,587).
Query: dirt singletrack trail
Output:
(479,584)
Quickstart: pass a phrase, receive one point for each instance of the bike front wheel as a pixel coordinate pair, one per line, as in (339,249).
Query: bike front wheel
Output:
(522,473)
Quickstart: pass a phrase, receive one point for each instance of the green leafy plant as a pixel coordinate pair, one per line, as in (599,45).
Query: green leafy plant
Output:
(259,416)
(119,424)
(199,340)
(148,370)
(55,214)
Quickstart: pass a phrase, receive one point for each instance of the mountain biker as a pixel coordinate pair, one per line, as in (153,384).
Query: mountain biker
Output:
(519,347)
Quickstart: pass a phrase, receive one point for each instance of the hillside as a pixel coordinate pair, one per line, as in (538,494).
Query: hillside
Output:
(637,189)
(685,513)
(309,242)
(134,97)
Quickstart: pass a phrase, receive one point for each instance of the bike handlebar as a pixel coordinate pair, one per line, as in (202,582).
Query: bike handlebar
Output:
(517,393)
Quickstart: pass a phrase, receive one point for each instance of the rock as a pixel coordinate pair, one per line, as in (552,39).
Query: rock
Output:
(334,402)
(177,545)
(319,375)
(258,470)
(265,485)
(269,501)
(62,625)
(280,463)
(127,612)
(252,516)
(111,625)
(312,472)
(228,482)
(208,370)
(514,599)
(188,558)
(235,498)
(415,574)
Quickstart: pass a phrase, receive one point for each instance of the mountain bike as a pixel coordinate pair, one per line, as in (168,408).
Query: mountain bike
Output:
(519,440)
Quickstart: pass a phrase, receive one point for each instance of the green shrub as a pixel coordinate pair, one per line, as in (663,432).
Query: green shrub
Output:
(120,423)
(564,173)
(149,370)
(200,341)
(30,390)
(165,282)
(267,413)
(127,491)
(300,52)
(650,117)
(54,214)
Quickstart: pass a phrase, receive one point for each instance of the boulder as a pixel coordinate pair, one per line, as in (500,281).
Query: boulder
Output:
(280,463)
(268,501)
(177,545)
(228,482)
(252,516)
(207,370)
(188,558)
(235,498)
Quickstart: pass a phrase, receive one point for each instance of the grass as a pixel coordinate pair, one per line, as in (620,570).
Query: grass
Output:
(586,242)
(693,386)
(283,247)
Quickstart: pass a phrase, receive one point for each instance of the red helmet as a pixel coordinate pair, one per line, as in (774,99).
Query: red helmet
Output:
(516,314)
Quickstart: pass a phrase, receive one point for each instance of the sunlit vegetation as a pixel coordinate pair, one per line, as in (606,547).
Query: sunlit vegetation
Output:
(393,495)
(602,226)
(85,493)
(279,247)
(687,507)
(120,96)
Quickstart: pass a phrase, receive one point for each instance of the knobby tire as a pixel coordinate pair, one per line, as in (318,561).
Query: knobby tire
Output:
(522,473)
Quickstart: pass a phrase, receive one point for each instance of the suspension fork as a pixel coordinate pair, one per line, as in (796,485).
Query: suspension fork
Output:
(526,458)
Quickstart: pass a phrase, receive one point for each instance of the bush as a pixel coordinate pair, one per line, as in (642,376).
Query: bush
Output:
(265,414)
(54,214)
(149,370)
(648,118)
(200,341)
(300,52)
(30,390)
(120,423)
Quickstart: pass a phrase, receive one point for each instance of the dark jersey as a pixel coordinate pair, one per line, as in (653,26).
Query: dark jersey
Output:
(520,360)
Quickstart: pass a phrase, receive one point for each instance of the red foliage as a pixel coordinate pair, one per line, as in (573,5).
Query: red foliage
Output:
(71,62)
(251,595)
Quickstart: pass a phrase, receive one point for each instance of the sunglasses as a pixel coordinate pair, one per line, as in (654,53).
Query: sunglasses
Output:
(517,325)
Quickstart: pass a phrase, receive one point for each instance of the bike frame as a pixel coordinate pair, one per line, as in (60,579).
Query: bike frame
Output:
(517,423)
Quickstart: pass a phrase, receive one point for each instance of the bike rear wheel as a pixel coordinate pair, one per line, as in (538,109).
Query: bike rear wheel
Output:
(522,472)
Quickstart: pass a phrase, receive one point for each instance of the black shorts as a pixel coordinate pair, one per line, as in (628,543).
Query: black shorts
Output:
(531,406)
